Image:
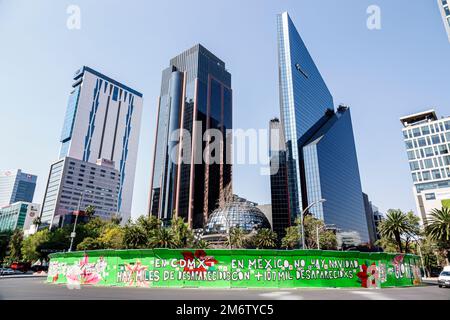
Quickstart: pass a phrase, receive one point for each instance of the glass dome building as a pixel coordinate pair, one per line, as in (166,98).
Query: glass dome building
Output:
(236,214)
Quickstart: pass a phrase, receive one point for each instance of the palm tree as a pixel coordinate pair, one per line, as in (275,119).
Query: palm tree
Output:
(236,239)
(438,227)
(395,226)
(181,232)
(90,211)
(163,238)
(201,244)
(265,239)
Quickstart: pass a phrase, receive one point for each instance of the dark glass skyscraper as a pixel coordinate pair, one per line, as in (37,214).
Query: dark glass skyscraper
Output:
(195,96)
(278,179)
(321,160)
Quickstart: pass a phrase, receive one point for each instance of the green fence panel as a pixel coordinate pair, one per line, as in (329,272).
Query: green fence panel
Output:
(190,268)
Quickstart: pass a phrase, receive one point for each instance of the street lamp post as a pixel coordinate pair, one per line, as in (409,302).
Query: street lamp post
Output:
(73,234)
(302,226)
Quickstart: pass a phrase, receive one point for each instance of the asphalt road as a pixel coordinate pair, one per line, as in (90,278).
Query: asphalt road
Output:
(35,288)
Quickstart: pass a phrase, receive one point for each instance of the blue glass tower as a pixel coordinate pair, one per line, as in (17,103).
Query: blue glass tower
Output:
(332,173)
(320,152)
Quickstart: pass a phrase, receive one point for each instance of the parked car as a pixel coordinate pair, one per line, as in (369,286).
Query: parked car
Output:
(444,278)
(20,266)
(6,271)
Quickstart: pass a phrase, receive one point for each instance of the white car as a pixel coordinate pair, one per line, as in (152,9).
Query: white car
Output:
(444,278)
(6,271)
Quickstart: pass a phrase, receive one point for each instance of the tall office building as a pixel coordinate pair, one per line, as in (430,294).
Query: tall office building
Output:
(73,185)
(16,186)
(320,150)
(195,96)
(427,140)
(278,179)
(444,8)
(103,120)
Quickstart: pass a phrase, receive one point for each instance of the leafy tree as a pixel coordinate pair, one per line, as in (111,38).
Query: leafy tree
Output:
(31,245)
(395,226)
(5,237)
(15,246)
(112,238)
(236,238)
(90,244)
(414,232)
(292,238)
(163,238)
(327,240)
(116,219)
(37,222)
(264,239)
(387,244)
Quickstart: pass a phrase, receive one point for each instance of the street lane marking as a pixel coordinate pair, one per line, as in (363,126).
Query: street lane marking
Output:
(372,295)
(281,295)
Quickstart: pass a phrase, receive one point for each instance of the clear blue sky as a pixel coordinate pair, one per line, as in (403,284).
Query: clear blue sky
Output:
(402,68)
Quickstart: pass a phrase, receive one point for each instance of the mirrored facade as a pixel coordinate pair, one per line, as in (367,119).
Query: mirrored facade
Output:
(195,96)
(320,155)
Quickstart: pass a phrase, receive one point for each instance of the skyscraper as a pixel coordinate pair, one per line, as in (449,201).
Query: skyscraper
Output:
(304,99)
(195,96)
(427,141)
(444,8)
(102,121)
(278,179)
(321,157)
(16,186)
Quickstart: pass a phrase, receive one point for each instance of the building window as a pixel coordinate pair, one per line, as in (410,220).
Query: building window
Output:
(429,152)
(409,144)
(436,174)
(443,149)
(428,163)
(426,175)
(425,130)
(411,155)
(430,196)
(436,139)
(414,165)
(422,142)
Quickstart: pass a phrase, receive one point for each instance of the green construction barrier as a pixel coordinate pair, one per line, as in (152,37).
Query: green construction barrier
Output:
(234,269)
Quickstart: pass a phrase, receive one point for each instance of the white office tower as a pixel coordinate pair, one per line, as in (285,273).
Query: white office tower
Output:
(103,121)
(427,140)
(444,8)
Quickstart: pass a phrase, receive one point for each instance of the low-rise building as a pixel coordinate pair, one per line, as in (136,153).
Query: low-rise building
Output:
(19,215)
(73,185)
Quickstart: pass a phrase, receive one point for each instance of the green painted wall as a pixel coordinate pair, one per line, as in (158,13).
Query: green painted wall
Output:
(234,268)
